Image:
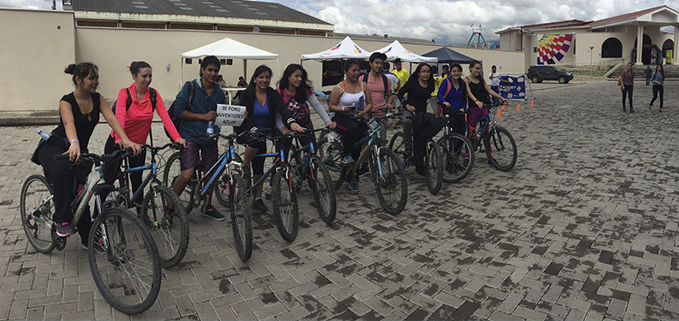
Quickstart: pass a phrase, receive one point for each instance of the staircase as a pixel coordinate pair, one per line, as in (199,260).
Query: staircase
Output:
(671,71)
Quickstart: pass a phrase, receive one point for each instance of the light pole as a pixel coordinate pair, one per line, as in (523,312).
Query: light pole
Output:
(591,66)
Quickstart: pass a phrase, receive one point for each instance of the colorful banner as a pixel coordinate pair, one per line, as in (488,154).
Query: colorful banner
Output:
(513,87)
(552,48)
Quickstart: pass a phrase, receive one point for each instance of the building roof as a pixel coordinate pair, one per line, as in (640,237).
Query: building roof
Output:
(548,25)
(211,8)
(625,17)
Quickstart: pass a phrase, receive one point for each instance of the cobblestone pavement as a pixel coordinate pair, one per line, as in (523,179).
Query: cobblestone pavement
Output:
(584,227)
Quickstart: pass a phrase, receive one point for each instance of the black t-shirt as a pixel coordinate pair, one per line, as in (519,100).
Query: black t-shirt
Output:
(479,92)
(417,95)
(84,123)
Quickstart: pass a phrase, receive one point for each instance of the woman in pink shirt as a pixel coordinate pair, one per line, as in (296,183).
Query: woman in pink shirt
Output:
(134,110)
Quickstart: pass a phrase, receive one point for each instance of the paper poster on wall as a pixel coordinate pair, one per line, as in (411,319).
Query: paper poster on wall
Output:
(229,115)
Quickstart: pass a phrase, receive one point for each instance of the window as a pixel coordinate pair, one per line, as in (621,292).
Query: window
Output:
(611,48)
(188,61)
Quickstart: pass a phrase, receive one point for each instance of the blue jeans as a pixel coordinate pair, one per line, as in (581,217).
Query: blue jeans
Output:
(497,90)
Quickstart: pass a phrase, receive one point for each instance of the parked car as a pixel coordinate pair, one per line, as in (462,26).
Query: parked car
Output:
(540,73)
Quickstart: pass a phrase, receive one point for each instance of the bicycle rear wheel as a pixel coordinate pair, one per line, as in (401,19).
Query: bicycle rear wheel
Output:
(391,184)
(458,157)
(165,217)
(397,145)
(331,154)
(171,173)
(128,272)
(241,216)
(502,151)
(37,207)
(284,201)
(434,167)
(321,185)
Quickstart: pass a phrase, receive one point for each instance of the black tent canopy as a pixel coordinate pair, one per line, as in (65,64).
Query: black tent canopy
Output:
(448,56)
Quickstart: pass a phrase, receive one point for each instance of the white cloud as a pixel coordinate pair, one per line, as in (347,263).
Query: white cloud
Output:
(447,21)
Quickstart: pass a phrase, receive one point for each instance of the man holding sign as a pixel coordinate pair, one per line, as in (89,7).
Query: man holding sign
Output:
(196,106)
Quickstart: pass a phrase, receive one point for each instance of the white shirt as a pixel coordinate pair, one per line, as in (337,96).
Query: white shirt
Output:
(496,79)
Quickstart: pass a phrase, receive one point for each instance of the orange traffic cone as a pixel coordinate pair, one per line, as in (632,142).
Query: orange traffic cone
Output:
(503,106)
(531,103)
(518,107)
(499,114)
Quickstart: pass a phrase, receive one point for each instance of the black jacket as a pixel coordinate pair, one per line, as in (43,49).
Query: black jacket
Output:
(276,105)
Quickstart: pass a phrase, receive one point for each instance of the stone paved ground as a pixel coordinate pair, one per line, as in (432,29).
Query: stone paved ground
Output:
(585,227)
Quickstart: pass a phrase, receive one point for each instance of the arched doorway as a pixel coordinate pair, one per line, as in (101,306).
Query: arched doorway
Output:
(645,50)
(668,45)
(611,48)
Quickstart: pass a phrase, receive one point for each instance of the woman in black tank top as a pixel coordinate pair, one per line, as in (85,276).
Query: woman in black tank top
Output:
(79,114)
(478,93)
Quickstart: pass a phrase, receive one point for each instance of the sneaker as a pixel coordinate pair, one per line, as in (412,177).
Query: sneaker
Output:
(348,159)
(64,229)
(98,248)
(363,171)
(212,213)
(259,206)
(354,187)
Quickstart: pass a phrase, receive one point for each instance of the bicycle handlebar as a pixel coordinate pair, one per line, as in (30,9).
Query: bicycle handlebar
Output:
(157,149)
(99,158)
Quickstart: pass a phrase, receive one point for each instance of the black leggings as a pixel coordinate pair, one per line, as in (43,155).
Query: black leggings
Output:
(112,169)
(352,131)
(629,90)
(62,177)
(658,89)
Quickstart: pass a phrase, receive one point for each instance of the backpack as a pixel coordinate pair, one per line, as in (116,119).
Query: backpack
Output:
(384,80)
(176,121)
(128,103)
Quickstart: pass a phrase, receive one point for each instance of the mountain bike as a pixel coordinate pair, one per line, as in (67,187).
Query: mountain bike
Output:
(122,254)
(386,168)
(161,209)
(498,143)
(457,150)
(226,176)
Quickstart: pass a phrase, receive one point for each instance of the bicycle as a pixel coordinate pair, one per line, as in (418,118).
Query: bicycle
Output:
(307,164)
(386,168)
(233,193)
(165,217)
(118,239)
(496,142)
(283,195)
(458,153)
(433,159)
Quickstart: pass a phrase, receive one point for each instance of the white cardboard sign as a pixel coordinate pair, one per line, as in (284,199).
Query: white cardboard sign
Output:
(229,115)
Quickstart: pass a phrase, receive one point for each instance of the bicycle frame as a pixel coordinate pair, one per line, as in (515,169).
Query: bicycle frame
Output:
(368,141)
(218,169)
(83,199)
(279,160)
(147,179)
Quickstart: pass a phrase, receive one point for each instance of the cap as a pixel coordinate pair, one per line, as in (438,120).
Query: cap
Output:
(397,60)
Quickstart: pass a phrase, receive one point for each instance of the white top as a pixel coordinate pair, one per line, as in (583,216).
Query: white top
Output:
(496,79)
(349,99)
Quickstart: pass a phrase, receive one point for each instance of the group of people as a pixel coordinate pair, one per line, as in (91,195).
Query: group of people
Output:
(626,83)
(283,109)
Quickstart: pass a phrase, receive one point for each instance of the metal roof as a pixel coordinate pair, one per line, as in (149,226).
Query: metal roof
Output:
(211,8)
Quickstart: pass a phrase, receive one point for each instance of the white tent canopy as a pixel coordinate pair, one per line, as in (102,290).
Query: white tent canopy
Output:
(228,48)
(346,49)
(396,50)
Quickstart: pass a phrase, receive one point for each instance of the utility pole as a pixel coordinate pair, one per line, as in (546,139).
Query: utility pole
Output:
(591,66)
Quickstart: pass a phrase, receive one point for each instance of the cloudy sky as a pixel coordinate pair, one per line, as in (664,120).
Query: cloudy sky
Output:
(446,21)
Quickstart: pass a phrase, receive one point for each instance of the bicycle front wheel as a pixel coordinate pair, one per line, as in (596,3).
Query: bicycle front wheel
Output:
(458,157)
(284,201)
(434,167)
(37,207)
(391,184)
(241,216)
(331,154)
(124,261)
(221,188)
(501,149)
(321,185)
(165,217)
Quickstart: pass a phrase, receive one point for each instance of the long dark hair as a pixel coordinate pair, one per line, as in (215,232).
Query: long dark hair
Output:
(260,70)
(662,71)
(472,65)
(302,93)
(413,77)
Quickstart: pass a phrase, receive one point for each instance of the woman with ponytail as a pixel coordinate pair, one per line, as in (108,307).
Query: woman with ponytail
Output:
(79,114)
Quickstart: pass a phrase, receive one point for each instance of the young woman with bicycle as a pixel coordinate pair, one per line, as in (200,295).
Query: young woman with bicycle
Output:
(419,87)
(478,94)
(135,107)
(348,99)
(453,97)
(262,104)
(79,114)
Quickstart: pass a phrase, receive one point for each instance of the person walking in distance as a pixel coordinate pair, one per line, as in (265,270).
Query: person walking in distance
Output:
(648,73)
(658,79)
(626,81)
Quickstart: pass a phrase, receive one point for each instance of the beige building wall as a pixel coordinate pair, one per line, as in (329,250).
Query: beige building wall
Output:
(36,48)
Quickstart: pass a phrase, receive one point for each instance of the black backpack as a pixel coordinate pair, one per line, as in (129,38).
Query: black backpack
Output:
(384,80)
(178,122)
(128,103)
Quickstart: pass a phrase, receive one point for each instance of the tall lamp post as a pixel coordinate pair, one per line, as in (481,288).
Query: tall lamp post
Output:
(591,66)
